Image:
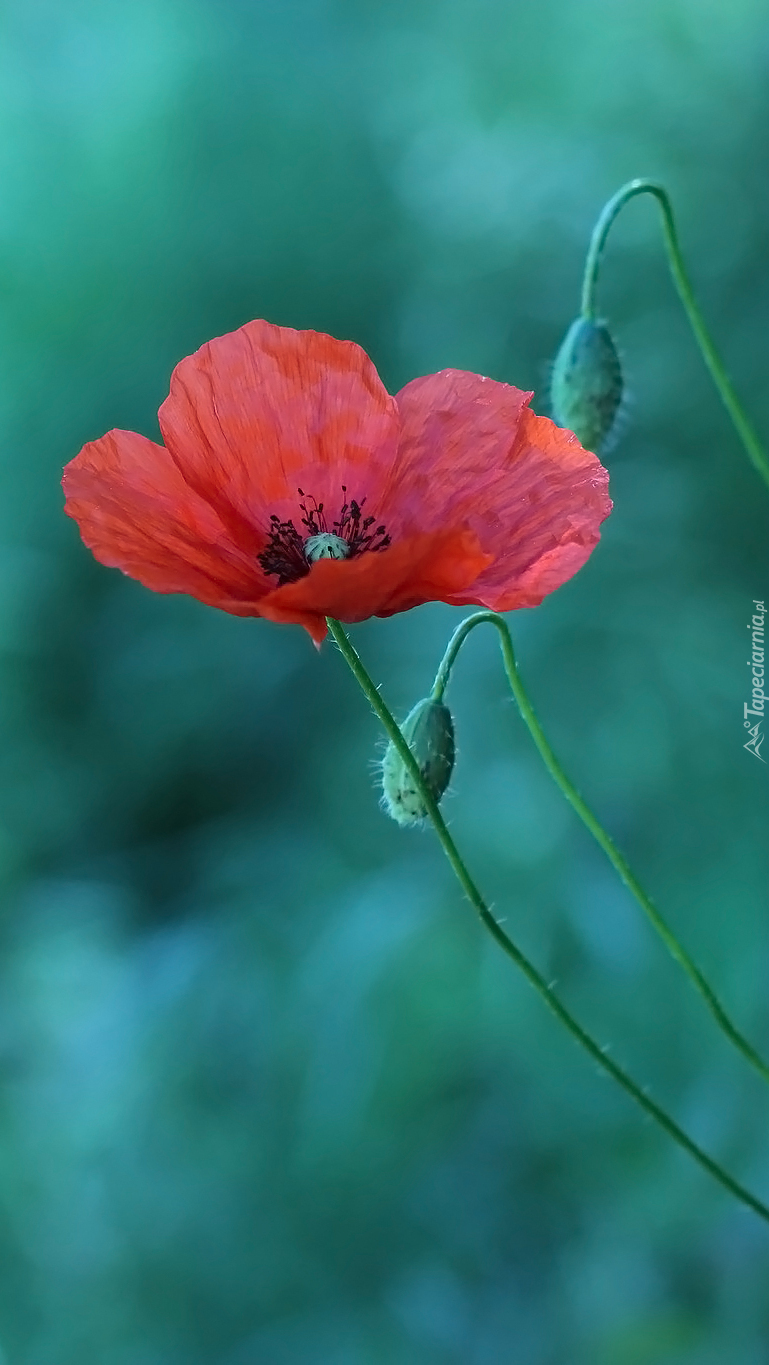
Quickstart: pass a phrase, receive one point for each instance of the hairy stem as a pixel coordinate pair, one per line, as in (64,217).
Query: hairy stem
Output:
(591,822)
(585,1040)
(742,424)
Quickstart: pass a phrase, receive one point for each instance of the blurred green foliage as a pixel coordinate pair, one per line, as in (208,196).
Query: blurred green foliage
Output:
(268,1096)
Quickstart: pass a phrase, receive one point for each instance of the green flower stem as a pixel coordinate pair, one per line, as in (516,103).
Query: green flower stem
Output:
(744,428)
(599,1054)
(675,948)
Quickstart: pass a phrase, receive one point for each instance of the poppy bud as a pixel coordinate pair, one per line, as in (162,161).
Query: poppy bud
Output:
(429,732)
(586,383)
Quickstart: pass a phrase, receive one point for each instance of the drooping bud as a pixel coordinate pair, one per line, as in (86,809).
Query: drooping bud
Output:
(429,732)
(586,383)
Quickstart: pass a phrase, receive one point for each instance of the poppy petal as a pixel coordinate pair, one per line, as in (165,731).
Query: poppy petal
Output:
(418,569)
(552,522)
(136,513)
(472,453)
(456,430)
(257,414)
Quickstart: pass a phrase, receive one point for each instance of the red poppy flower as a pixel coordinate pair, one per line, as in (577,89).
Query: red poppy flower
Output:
(292,486)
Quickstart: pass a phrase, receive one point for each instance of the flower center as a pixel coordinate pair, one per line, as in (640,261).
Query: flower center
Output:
(325,546)
(290,555)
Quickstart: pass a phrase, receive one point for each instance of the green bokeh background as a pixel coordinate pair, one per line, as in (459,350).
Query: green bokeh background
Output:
(269,1096)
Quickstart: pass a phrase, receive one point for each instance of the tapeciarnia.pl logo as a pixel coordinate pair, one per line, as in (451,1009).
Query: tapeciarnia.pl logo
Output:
(755,708)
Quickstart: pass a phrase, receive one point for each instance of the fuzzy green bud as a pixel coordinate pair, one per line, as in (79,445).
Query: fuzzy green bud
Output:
(429,732)
(586,383)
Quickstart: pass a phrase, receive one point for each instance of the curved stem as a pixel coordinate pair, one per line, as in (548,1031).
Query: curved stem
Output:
(585,1040)
(742,424)
(674,947)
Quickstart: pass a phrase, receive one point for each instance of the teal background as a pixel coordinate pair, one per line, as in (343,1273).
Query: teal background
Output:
(268,1094)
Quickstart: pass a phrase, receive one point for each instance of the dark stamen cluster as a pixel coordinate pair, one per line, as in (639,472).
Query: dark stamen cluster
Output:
(353,527)
(284,554)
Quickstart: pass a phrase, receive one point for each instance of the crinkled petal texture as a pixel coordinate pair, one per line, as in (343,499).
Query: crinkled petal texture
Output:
(471,453)
(483,502)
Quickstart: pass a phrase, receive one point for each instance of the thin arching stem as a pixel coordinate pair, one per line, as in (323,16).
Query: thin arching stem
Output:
(598,1054)
(674,947)
(742,424)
